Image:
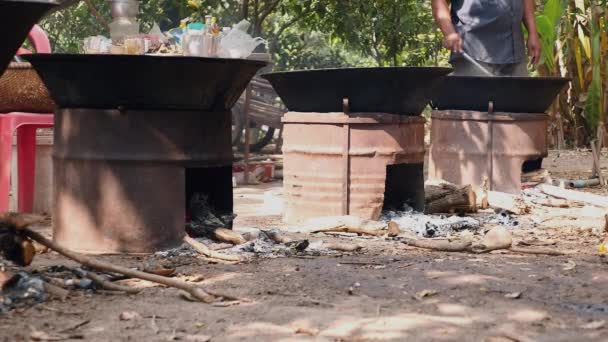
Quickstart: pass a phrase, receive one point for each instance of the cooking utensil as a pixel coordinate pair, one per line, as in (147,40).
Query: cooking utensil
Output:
(476,64)
(16,19)
(509,94)
(396,90)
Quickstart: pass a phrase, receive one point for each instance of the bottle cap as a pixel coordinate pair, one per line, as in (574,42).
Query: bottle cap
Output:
(196,26)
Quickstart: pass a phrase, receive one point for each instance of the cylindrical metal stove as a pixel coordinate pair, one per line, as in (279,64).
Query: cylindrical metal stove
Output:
(120,176)
(137,138)
(356,164)
(475,147)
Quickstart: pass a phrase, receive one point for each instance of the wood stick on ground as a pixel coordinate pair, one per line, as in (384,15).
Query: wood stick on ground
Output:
(195,290)
(228,235)
(276,236)
(56,291)
(108,285)
(538,251)
(342,247)
(572,195)
(354,230)
(440,245)
(206,251)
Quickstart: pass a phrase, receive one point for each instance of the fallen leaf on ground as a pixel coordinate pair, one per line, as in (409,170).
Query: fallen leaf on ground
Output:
(513,295)
(197,338)
(129,316)
(43,336)
(569,266)
(594,325)
(426,293)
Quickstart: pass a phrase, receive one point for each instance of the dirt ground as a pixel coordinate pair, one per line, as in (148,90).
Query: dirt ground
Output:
(388,291)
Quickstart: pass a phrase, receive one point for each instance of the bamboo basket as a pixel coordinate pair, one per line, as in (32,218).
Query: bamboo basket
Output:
(21,90)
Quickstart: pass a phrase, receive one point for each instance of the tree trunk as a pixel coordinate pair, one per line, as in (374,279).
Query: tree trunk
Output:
(245,9)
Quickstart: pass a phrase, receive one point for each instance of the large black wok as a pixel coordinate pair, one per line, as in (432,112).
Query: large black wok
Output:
(509,94)
(144,82)
(16,19)
(397,90)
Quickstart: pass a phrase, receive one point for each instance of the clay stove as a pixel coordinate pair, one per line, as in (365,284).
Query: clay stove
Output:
(353,140)
(485,129)
(135,138)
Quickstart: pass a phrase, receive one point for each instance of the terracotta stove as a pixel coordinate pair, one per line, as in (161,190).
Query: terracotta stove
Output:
(353,140)
(135,138)
(485,130)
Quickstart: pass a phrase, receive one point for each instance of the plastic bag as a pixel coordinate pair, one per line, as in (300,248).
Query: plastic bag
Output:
(237,43)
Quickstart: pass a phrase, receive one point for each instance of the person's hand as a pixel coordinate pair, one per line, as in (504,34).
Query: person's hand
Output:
(453,42)
(534,48)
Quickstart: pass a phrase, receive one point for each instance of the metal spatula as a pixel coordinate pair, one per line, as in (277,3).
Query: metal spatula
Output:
(476,64)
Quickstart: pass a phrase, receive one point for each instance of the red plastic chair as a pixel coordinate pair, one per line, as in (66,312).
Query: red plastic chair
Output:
(25,124)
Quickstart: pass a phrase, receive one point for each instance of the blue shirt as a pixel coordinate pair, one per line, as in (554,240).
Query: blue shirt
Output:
(491,29)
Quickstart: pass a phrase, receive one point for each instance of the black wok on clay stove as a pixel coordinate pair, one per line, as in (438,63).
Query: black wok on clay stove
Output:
(136,138)
(353,139)
(16,19)
(508,94)
(487,129)
(398,90)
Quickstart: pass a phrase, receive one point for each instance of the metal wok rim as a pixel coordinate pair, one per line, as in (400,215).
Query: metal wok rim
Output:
(150,57)
(49,2)
(516,78)
(353,69)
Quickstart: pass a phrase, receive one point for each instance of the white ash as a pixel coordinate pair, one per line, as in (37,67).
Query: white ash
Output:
(430,225)
(264,246)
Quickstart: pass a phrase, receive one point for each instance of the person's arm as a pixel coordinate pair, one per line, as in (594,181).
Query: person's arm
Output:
(443,18)
(534,47)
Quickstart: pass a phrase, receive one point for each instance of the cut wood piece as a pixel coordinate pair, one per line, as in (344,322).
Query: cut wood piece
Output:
(228,235)
(342,247)
(507,202)
(440,245)
(449,199)
(327,223)
(538,251)
(353,230)
(204,250)
(573,195)
(393,229)
(277,237)
(555,203)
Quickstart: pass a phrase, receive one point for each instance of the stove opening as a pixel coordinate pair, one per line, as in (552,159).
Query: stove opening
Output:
(209,189)
(532,165)
(404,185)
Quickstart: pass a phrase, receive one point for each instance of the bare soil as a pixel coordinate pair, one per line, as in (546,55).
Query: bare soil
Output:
(388,291)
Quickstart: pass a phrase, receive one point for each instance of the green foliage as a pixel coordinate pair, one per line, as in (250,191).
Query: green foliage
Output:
(547,23)
(593,103)
(68,28)
(392,32)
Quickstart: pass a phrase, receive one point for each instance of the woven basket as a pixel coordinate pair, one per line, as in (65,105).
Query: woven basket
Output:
(21,90)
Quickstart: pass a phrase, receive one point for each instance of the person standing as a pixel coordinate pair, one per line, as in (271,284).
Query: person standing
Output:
(490,31)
